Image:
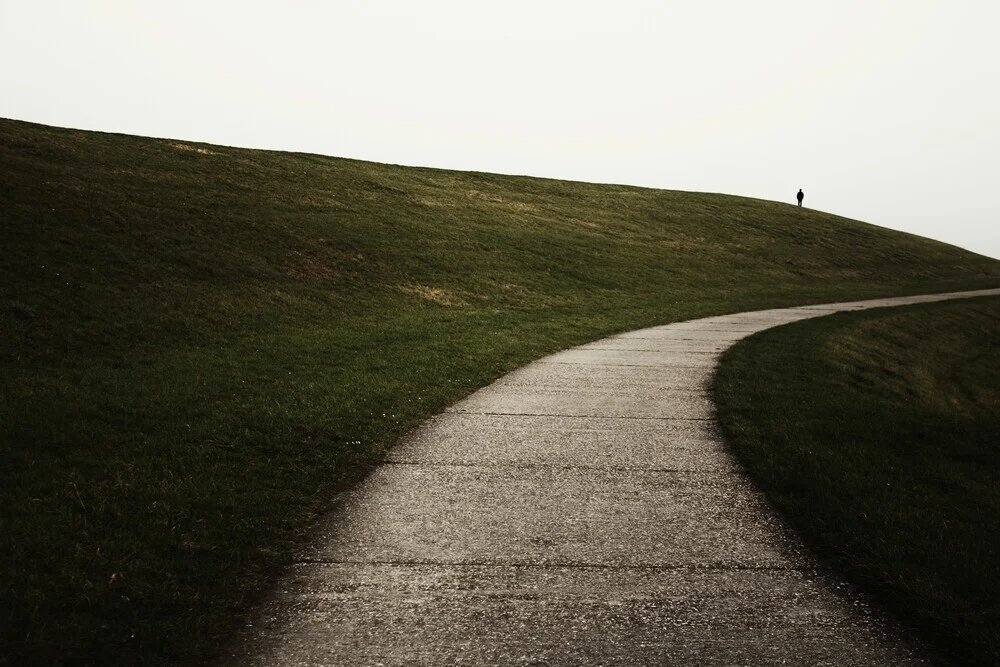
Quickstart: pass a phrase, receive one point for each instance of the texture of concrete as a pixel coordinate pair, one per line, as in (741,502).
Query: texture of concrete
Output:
(581,510)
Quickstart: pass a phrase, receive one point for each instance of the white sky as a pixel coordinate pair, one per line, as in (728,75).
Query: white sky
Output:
(881,110)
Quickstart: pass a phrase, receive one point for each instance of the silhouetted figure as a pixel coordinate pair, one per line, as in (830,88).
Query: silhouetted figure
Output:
(800,196)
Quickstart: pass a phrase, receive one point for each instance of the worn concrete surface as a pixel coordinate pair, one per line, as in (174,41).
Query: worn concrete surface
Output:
(581,510)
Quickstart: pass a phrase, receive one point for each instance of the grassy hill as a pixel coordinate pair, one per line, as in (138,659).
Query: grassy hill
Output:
(888,466)
(200,345)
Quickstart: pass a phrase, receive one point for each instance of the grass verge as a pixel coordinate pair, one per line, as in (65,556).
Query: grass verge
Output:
(889,463)
(201,344)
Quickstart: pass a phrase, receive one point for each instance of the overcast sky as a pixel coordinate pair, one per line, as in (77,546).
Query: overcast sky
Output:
(881,110)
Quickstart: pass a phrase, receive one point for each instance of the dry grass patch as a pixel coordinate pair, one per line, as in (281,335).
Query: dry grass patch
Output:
(186,147)
(497,199)
(320,202)
(433,203)
(583,223)
(485,196)
(435,294)
(685,241)
(310,267)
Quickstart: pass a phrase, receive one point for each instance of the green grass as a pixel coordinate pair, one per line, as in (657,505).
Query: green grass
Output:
(201,345)
(889,462)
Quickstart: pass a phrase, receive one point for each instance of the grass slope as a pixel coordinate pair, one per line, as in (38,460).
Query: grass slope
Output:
(201,344)
(889,463)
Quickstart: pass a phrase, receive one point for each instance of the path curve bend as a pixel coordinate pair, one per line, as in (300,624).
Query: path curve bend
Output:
(580,510)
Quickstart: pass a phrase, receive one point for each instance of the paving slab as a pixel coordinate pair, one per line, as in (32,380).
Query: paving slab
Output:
(713,332)
(523,440)
(387,614)
(693,341)
(612,378)
(556,515)
(582,510)
(706,359)
(648,403)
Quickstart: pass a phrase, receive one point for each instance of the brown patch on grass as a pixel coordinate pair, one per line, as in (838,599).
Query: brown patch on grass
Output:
(320,202)
(685,241)
(434,203)
(434,294)
(203,151)
(485,196)
(497,199)
(310,266)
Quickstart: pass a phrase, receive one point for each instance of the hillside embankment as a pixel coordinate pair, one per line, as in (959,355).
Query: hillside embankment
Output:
(201,345)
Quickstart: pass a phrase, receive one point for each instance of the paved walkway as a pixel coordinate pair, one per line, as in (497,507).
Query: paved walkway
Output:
(581,510)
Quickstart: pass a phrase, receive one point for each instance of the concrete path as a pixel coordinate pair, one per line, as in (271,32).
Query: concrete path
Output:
(581,510)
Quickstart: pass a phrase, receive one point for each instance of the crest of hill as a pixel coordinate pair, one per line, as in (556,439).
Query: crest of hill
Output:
(107,219)
(202,344)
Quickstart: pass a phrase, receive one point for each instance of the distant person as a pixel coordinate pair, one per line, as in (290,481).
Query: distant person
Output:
(800,196)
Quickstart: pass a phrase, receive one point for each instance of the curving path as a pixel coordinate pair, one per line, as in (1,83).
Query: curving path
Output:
(581,510)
